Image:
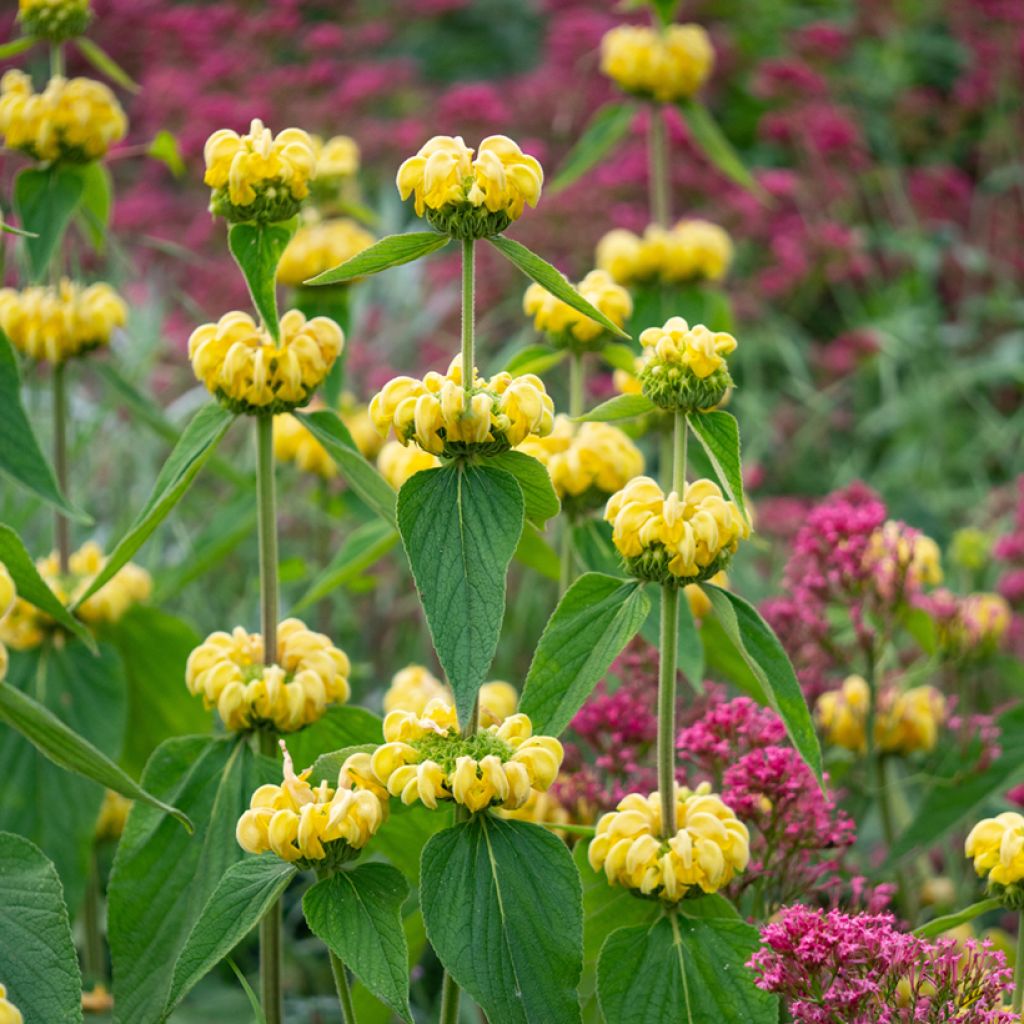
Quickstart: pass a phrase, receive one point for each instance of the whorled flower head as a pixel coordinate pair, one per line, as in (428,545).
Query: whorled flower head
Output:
(58,322)
(414,687)
(443,419)
(685,368)
(258,176)
(25,626)
(426,758)
(248,371)
(293,442)
(710,847)
(398,462)
(901,560)
(662,65)
(231,673)
(672,538)
(72,120)
(692,250)
(982,621)
(587,462)
(567,328)
(996,845)
(320,246)
(336,158)
(54,20)
(9,1013)
(311,827)
(466,197)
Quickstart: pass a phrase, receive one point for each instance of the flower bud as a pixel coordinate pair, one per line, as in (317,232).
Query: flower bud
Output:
(684,368)
(996,846)
(56,21)
(690,252)
(663,65)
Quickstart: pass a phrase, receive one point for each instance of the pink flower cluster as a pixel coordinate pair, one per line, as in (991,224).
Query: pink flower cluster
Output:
(1009,549)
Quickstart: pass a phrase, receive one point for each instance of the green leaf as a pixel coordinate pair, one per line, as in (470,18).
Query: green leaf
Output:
(716,147)
(16,46)
(38,962)
(939,925)
(97,199)
(690,655)
(539,498)
(606,128)
(474,514)
(195,446)
(724,661)
(503,909)
(719,435)
(597,616)
(368,1008)
(326,426)
(162,878)
(621,407)
(165,148)
(45,201)
(250,995)
(592,542)
(32,587)
(245,892)
(344,725)
(537,554)
(257,249)
(105,64)
(360,549)
(765,657)
(548,277)
(390,251)
(666,10)
(535,359)
(358,914)
(681,969)
(408,829)
(620,356)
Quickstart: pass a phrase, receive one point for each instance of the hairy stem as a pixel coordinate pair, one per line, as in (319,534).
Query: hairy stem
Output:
(564,555)
(348,1010)
(657,162)
(449,1001)
(577,384)
(1018,968)
(468,314)
(667,707)
(680,437)
(62,528)
(94,958)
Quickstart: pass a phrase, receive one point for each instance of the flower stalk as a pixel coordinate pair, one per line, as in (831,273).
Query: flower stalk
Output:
(657,162)
(468,314)
(1018,968)
(62,528)
(348,1010)
(577,391)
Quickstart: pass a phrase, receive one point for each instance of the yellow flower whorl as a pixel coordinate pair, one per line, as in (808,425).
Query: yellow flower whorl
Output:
(308,673)
(684,368)
(258,176)
(9,1013)
(240,363)
(414,687)
(709,849)
(436,413)
(666,65)
(338,157)
(997,847)
(398,462)
(319,247)
(58,322)
(293,442)
(570,329)
(300,823)
(902,558)
(693,250)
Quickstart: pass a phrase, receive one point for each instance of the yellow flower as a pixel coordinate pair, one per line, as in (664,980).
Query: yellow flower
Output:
(901,559)
(568,328)
(294,443)
(415,686)
(397,462)
(997,847)
(258,176)
(466,197)
(9,1013)
(54,20)
(300,823)
(437,413)
(58,322)
(73,120)
(673,538)
(425,757)
(7,591)
(543,809)
(710,847)
(320,246)
(586,463)
(113,815)
(241,364)
(356,416)
(685,367)
(842,714)
(229,670)
(984,620)
(666,65)
(693,250)
(699,602)
(338,157)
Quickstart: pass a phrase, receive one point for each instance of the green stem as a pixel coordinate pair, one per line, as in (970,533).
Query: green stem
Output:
(267,527)
(348,1010)
(449,1001)
(1018,968)
(94,958)
(62,528)
(666,456)
(323,548)
(667,707)
(468,355)
(679,440)
(904,878)
(657,157)
(565,555)
(577,384)
(56,59)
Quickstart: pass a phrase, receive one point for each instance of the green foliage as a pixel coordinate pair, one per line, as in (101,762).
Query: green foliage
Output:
(164,147)
(604,131)
(105,64)
(344,725)
(45,200)
(94,209)
(16,46)
(537,554)
(257,249)
(539,498)
(535,359)
(503,910)
(719,435)
(690,655)
(402,837)
(621,407)
(391,251)
(716,147)
(940,925)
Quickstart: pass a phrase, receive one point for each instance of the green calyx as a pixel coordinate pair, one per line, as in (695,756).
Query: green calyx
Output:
(466,221)
(678,389)
(446,750)
(57,24)
(242,407)
(274,202)
(651,565)
(336,854)
(1010,896)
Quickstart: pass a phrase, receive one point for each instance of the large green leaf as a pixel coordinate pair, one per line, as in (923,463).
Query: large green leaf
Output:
(596,618)
(45,200)
(719,435)
(97,199)
(503,910)
(38,963)
(548,277)
(162,878)
(539,498)
(592,542)
(105,64)
(536,553)
(940,925)
(16,46)
(408,829)
(388,252)
(245,892)
(621,407)
(682,969)
(368,1008)
(606,128)
(535,359)
(358,914)
(761,650)
(196,444)
(20,455)
(326,426)
(460,525)
(344,725)
(715,146)
(257,249)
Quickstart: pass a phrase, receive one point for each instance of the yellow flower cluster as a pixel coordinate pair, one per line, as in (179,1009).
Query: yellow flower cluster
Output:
(542,809)
(673,538)
(997,848)
(984,620)
(398,462)
(586,463)
(248,371)
(9,1013)
(902,559)
(75,120)
(7,598)
(699,602)
(568,328)
(442,418)
(663,65)
(426,758)
(54,20)
(293,442)
(693,250)
(298,822)
(25,626)
(904,722)
(466,197)
(258,176)
(338,157)
(319,247)
(684,368)
(58,322)
(710,847)
(415,686)
(230,672)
